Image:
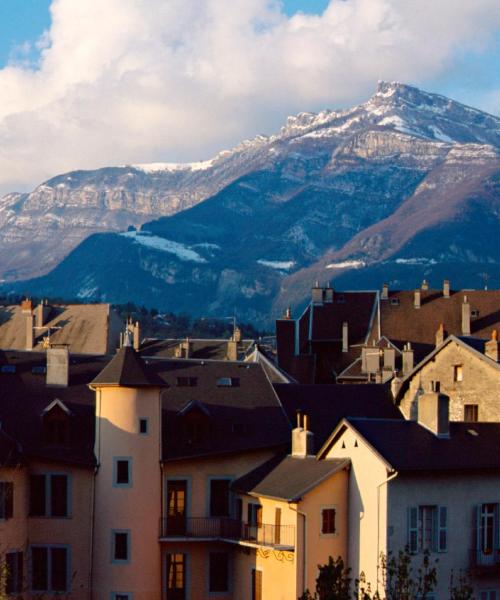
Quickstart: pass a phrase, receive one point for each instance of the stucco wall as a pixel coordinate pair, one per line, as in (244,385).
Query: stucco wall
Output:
(479,386)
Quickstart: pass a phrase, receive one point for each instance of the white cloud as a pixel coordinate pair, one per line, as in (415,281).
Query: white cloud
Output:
(127,81)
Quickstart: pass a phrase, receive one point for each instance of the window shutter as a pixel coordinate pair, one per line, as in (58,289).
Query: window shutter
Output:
(496,540)
(413,529)
(479,532)
(259,516)
(442,529)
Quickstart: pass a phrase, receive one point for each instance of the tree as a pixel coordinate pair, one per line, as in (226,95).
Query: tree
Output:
(333,582)
(460,589)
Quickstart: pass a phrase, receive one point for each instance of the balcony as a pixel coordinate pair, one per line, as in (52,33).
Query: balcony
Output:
(485,562)
(227,529)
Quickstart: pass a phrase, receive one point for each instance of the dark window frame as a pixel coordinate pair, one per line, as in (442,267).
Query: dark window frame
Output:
(50,504)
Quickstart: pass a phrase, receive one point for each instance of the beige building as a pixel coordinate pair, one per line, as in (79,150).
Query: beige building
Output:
(466,370)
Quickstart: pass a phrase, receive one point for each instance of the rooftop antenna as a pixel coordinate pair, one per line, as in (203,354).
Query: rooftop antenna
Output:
(485,277)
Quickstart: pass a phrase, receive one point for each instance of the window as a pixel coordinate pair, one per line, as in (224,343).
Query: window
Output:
(219,497)
(187,381)
(143,426)
(256,584)
(228,382)
(121,596)
(8,368)
(176,576)
(474,313)
(487,534)
(427,528)
(254,520)
(488,595)
(458,374)
(39,370)
(49,569)
(471,413)
(218,572)
(395,301)
(176,506)
(328,520)
(120,542)
(14,577)
(56,428)
(49,495)
(122,471)
(6,499)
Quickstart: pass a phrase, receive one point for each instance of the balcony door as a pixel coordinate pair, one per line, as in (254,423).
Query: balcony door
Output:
(176,506)
(487,533)
(176,576)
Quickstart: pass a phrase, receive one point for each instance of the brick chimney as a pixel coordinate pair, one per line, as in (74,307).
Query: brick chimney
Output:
(446,288)
(317,294)
(491,346)
(302,438)
(416,299)
(407,359)
(345,337)
(465,317)
(440,335)
(27,312)
(434,413)
(385,292)
(328,294)
(57,366)
(425,285)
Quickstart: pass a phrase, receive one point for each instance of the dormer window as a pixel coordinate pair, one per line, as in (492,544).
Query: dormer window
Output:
(395,301)
(187,381)
(474,313)
(56,424)
(8,369)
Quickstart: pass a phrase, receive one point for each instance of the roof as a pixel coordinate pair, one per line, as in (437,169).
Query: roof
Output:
(246,415)
(127,369)
(327,405)
(24,397)
(84,328)
(287,477)
(403,322)
(208,349)
(408,446)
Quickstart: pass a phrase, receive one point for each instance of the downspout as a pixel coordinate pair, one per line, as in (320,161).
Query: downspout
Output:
(385,482)
(304,546)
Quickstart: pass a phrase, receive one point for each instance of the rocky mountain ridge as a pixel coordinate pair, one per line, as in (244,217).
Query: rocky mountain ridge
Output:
(334,195)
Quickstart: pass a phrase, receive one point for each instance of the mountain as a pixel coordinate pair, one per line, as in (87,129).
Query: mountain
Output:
(402,186)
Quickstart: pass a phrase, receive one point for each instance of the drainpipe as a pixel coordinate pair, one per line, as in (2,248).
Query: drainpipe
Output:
(304,546)
(385,482)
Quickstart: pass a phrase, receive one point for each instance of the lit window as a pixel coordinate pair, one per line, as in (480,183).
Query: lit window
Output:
(458,374)
(328,520)
(176,575)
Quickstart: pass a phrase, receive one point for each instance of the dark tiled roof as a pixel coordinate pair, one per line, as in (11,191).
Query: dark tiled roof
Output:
(327,405)
(288,478)
(403,322)
(407,446)
(24,396)
(243,417)
(127,369)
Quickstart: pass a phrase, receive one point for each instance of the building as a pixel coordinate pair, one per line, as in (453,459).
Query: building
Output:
(83,328)
(355,337)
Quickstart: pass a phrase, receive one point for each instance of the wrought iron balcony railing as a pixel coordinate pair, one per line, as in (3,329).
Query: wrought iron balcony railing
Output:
(227,528)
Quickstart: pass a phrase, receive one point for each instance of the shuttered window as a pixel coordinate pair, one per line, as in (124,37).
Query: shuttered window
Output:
(6,499)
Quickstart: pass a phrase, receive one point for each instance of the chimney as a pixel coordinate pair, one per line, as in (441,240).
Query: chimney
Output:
(232,349)
(186,347)
(465,317)
(317,294)
(237,335)
(29,330)
(385,292)
(370,359)
(345,337)
(136,334)
(302,439)
(491,346)
(425,285)
(389,359)
(57,366)
(41,314)
(440,335)
(434,413)
(328,294)
(288,313)
(446,288)
(396,383)
(407,359)
(416,301)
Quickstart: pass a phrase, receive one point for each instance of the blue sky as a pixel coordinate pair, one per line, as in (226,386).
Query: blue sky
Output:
(126,81)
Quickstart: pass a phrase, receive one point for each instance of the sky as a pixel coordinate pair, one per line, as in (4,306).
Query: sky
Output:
(110,82)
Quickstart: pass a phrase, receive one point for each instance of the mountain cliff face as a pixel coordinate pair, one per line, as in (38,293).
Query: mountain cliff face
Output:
(396,188)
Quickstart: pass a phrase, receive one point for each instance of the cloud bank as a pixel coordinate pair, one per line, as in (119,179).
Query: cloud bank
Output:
(127,81)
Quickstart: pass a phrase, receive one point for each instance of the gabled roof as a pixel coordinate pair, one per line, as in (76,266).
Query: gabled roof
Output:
(327,405)
(287,477)
(409,447)
(129,370)
(473,345)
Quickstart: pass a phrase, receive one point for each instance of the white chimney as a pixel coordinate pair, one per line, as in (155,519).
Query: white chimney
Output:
(407,359)
(385,292)
(345,337)
(302,439)
(57,367)
(434,413)
(328,294)
(465,317)
(446,288)
(416,300)
(317,294)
